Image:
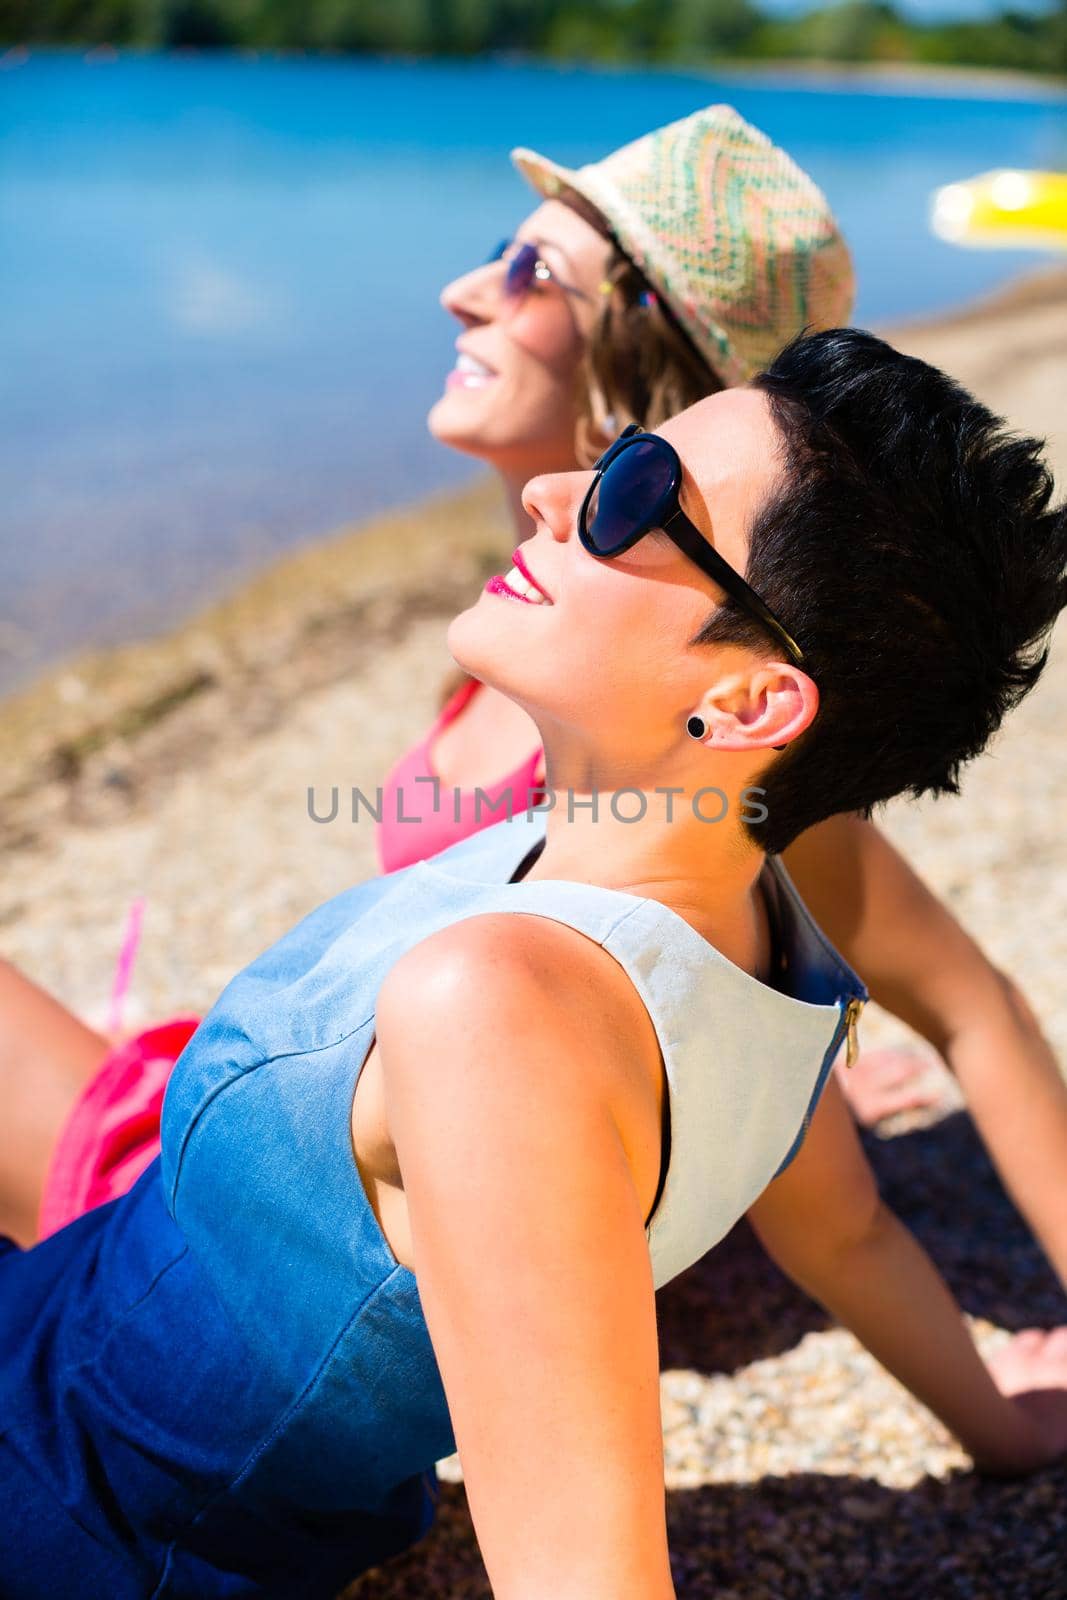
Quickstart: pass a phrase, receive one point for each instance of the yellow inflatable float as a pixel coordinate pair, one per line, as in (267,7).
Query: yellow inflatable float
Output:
(1005,209)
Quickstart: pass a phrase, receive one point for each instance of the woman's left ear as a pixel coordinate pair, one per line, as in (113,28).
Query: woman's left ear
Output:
(733,709)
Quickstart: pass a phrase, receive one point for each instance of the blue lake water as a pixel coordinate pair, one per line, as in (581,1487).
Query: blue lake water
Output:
(219,331)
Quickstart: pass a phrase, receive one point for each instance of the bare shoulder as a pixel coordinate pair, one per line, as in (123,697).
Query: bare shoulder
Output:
(509,940)
(538,994)
(498,963)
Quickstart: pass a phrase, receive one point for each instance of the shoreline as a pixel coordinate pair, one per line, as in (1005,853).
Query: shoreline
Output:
(305,620)
(918,76)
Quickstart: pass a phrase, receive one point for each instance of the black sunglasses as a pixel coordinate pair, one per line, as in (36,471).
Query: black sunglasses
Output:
(634,491)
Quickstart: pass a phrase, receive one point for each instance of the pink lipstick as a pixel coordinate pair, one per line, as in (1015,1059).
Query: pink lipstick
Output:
(516,556)
(496,585)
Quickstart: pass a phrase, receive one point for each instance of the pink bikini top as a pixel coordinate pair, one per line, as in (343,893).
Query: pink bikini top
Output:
(420,818)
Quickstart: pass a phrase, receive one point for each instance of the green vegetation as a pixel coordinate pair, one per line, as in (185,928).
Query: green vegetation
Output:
(678,32)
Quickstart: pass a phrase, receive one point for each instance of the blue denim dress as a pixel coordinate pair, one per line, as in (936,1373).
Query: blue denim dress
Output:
(222,1384)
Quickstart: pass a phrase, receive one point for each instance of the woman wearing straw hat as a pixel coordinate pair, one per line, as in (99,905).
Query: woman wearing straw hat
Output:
(674,267)
(427,1159)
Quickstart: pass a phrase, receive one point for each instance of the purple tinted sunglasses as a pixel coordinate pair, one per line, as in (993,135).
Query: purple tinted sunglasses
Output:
(525,268)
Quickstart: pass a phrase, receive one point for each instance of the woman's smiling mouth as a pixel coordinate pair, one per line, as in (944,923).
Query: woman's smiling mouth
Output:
(469,373)
(515,586)
(519,584)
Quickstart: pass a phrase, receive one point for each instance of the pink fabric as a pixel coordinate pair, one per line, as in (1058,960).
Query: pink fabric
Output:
(425,830)
(112,1134)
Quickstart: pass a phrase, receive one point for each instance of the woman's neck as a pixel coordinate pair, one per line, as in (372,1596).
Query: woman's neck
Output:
(705,874)
(671,829)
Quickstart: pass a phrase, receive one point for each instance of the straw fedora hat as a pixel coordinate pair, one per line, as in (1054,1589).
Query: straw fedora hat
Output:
(738,241)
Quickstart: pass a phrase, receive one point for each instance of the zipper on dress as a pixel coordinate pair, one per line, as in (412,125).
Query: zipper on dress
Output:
(852,1017)
(847,1025)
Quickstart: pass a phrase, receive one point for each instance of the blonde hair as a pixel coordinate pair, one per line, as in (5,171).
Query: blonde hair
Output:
(639,365)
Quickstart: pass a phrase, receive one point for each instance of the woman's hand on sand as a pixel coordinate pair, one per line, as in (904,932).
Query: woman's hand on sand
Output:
(1031,1371)
(884,1082)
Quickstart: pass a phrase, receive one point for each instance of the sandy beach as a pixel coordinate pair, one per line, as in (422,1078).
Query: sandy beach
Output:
(178,770)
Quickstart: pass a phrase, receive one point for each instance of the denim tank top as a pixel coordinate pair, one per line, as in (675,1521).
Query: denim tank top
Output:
(256,1128)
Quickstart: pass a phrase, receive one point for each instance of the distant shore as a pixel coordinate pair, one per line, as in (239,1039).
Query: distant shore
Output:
(901,76)
(994,82)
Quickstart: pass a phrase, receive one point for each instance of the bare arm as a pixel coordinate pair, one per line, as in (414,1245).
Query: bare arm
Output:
(919,963)
(505,1063)
(823,1222)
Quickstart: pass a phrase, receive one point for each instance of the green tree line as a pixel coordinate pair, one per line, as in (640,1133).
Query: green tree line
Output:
(686,32)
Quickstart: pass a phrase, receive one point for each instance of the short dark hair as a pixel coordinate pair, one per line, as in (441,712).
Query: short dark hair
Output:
(912,552)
